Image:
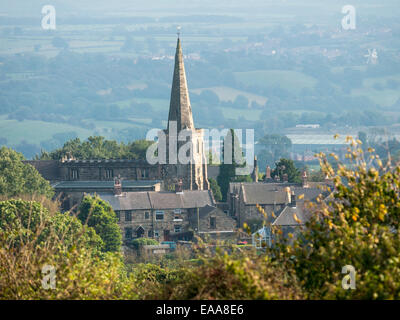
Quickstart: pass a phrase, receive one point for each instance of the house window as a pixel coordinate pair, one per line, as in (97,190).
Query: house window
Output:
(177,215)
(147,215)
(177,228)
(145,173)
(213,223)
(128,216)
(109,173)
(118,214)
(128,233)
(156,234)
(159,215)
(150,233)
(74,174)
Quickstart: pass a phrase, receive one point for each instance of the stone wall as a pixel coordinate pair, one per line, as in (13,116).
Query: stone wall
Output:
(147,219)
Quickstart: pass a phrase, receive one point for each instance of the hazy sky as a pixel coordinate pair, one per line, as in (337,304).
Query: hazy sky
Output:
(178,7)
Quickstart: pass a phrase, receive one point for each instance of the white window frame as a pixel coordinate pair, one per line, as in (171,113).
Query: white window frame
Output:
(178,212)
(159,212)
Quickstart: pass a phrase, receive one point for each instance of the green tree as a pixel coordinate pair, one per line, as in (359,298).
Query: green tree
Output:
(215,189)
(286,166)
(232,159)
(138,243)
(98,214)
(34,234)
(17,178)
(31,218)
(97,147)
(138,148)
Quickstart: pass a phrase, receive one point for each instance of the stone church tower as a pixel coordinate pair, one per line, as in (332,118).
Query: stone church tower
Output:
(186,158)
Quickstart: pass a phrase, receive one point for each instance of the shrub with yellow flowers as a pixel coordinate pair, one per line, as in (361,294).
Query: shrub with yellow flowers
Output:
(357,225)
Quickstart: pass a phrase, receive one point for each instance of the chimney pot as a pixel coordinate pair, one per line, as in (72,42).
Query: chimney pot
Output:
(117,186)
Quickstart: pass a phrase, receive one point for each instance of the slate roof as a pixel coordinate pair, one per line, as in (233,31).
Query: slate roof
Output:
(268,193)
(132,200)
(309,193)
(286,217)
(103,184)
(204,211)
(159,200)
(263,193)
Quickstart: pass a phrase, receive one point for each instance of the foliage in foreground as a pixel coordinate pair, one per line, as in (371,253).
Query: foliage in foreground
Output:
(357,226)
(32,236)
(220,275)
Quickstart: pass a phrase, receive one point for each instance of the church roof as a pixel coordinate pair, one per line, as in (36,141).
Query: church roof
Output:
(180,109)
(103,184)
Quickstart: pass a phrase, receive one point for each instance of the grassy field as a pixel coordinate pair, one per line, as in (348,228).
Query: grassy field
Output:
(292,81)
(34,132)
(248,114)
(385,97)
(230,94)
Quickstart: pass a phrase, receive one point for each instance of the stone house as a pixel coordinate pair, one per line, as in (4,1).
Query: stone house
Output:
(243,199)
(213,222)
(164,216)
(292,219)
(70,193)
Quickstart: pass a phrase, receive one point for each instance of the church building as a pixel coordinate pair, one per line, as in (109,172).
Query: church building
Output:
(78,176)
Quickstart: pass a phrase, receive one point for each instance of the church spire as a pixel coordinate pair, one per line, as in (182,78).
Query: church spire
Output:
(179,108)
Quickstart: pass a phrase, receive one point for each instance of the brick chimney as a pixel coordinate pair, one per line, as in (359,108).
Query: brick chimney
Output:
(288,195)
(268,173)
(117,186)
(304,179)
(255,170)
(285,177)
